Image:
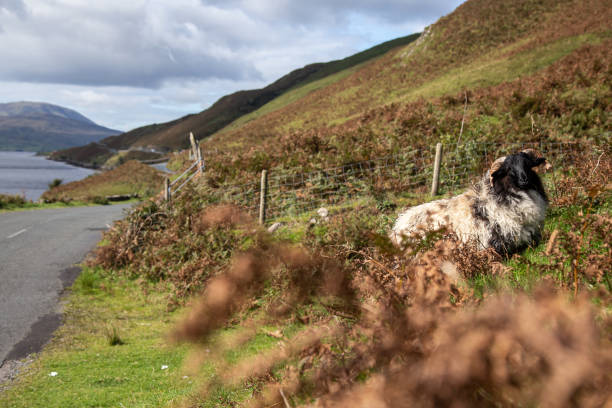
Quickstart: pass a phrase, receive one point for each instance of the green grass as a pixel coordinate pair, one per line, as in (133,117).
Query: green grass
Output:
(498,67)
(131,177)
(489,70)
(92,370)
(288,98)
(43,206)
(113,345)
(335,72)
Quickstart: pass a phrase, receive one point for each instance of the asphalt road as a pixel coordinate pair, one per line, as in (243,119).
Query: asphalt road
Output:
(38,253)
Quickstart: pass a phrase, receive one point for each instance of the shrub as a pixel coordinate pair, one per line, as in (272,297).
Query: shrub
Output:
(8,201)
(112,336)
(99,200)
(55,183)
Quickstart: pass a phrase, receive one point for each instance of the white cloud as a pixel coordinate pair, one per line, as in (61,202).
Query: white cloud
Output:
(128,63)
(16,7)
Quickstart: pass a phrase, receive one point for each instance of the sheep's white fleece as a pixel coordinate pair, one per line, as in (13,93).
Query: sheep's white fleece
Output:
(477,216)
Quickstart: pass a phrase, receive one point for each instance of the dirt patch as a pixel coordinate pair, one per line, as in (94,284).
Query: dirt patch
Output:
(10,369)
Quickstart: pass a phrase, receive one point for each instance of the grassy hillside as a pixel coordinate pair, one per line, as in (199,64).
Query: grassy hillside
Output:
(131,177)
(92,155)
(539,72)
(172,135)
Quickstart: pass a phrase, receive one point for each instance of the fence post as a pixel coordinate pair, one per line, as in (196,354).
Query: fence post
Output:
(263,195)
(200,161)
(167,189)
(194,146)
(436,170)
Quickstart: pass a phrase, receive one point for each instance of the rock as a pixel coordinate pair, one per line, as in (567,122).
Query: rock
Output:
(450,270)
(121,197)
(323,212)
(274,227)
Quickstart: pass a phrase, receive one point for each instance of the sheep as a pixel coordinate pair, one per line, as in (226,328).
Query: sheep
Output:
(505,210)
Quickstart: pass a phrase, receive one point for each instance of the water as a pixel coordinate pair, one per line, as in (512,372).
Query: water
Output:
(162,167)
(24,173)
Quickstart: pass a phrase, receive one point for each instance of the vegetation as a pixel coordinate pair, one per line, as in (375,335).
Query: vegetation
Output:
(533,68)
(171,135)
(131,178)
(359,320)
(125,156)
(18,202)
(328,313)
(93,155)
(56,182)
(108,353)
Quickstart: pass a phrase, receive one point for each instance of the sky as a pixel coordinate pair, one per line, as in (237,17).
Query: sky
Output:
(129,63)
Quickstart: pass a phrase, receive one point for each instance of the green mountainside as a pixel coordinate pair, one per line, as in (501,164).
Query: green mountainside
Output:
(525,70)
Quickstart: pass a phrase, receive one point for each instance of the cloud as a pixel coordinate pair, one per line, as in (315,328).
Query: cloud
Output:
(324,12)
(17,7)
(136,43)
(144,43)
(129,63)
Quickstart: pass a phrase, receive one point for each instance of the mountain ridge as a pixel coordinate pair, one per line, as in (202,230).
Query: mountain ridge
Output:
(40,126)
(172,135)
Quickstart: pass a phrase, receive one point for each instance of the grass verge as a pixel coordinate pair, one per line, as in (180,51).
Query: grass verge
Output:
(59,204)
(110,352)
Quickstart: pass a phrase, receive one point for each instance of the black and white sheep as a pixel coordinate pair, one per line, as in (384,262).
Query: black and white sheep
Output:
(504,210)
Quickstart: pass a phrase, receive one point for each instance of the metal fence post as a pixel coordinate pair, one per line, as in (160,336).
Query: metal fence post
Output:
(436,170)
(167,189)
(263,195)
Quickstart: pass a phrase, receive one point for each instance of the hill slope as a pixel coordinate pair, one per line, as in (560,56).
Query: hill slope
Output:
(171,135)
(521,70)
(39,126)
(131,177)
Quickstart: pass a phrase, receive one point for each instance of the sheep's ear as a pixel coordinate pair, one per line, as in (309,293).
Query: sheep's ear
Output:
(530,152)
(535,157)
(497,175)
(496,169)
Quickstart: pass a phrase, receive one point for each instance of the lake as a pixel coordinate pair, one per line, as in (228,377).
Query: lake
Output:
(24,173)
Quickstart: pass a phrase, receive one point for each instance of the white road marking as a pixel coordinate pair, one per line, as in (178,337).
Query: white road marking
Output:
(17,233)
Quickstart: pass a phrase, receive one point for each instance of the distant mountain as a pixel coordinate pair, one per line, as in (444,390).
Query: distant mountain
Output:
(36,126)
(173,135)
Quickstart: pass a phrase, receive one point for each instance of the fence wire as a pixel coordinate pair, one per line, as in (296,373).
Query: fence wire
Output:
(294,193)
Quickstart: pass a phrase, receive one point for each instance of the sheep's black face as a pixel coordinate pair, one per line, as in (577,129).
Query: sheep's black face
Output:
(516,174)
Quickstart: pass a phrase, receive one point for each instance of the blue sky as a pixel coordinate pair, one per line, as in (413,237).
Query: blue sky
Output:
(126,64)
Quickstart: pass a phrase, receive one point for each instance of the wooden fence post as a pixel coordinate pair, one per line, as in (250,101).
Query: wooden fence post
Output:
(436,170)
(194,146)
(263,195)
(200,161)
(167,189)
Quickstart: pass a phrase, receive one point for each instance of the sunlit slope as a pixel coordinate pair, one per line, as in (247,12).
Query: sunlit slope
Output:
(482,43)
(172,135)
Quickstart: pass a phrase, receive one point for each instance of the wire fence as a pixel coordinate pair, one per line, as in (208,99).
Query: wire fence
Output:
(197,167)
(299,192)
